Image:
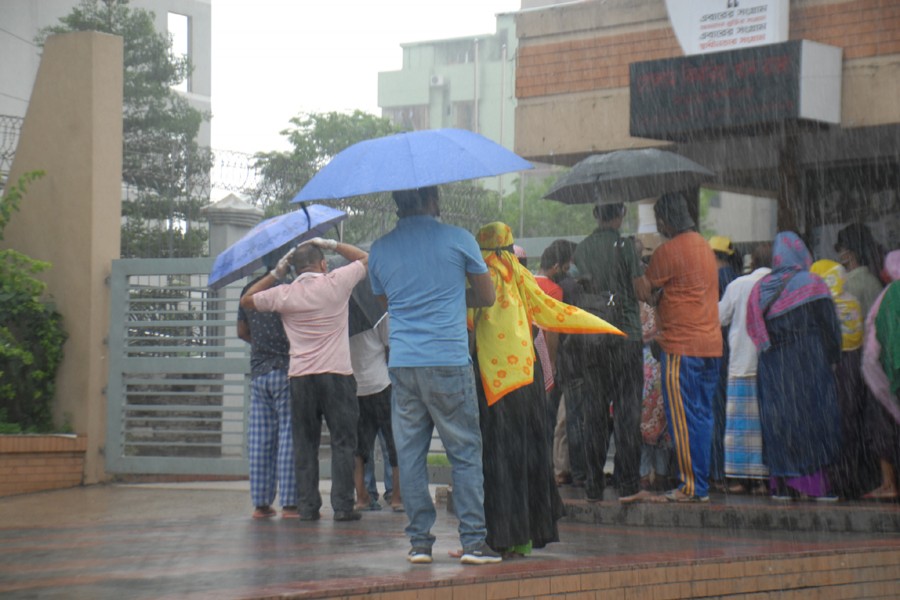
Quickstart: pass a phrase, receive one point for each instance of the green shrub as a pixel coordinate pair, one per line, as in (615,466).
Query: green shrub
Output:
(31,333)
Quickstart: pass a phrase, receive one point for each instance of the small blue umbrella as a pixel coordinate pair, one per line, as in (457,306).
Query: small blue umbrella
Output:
(411,160)
(278,233)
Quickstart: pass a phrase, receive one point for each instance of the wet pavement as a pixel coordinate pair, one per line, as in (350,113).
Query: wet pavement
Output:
(197,540)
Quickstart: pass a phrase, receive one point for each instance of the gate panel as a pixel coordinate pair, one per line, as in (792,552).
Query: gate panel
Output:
(179,375)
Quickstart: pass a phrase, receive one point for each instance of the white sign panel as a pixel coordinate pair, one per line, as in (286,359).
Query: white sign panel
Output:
(703,26)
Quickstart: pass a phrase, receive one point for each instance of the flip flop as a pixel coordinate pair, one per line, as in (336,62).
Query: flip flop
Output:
(398,508)
(881,495)
(264,512)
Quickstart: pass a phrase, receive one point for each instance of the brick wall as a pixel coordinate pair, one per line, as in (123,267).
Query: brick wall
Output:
(34,463)
(863,28)
(868,573)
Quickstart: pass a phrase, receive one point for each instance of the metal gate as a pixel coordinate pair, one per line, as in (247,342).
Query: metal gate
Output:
(178,374)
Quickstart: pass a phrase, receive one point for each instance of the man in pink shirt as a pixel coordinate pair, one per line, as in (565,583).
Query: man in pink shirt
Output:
(314,311)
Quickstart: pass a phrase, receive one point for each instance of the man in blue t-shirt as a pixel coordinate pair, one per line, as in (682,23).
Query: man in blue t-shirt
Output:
(419,271)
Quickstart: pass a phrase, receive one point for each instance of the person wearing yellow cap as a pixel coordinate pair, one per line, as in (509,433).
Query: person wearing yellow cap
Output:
(726,259)
(854,471)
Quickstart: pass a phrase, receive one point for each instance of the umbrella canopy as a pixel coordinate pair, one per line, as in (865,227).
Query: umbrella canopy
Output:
(411,160)
(246,255)
(627,176)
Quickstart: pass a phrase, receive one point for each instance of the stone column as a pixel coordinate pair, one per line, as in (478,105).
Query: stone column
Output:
(229,220)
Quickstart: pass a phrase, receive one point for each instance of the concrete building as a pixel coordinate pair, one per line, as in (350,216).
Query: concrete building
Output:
(465,83)
(574,91)
(188,21)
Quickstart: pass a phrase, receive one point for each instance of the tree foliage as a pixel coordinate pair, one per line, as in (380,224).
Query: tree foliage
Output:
(162,162)
(31,332)
(315,138)
(544,218)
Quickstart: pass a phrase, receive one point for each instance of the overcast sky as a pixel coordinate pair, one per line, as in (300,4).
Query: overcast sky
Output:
(273,59)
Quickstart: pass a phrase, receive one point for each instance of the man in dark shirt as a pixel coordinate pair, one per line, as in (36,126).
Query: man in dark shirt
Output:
(270,449)
(614,370)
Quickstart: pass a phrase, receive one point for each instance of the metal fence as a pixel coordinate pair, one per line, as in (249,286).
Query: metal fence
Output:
(179,375)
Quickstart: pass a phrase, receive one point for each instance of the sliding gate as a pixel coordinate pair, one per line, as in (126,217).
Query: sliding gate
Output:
(178,374)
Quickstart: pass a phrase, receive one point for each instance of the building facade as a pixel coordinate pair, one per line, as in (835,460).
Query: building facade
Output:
(188,21)
(573,90)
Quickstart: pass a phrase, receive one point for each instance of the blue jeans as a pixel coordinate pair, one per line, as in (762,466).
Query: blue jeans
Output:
(442,397)
(369,470)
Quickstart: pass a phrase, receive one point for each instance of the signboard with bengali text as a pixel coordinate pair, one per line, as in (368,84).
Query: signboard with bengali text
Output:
(676,98)
(703,26)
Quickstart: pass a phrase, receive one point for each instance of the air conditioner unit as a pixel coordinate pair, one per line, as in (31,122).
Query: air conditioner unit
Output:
(437,80)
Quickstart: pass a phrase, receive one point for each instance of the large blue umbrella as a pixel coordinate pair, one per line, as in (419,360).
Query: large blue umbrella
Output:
(278,233)
(411,160)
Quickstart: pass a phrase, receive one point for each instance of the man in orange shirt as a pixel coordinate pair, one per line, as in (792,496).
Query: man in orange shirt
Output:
(683,275)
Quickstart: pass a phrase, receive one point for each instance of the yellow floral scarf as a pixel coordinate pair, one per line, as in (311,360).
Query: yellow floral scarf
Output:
(503,331)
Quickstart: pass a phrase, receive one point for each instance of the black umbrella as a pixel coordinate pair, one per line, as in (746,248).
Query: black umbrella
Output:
(627,176)
(365,310)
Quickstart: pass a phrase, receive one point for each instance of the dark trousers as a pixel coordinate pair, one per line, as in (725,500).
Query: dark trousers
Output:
(333,397)
(573,395)
(613,374)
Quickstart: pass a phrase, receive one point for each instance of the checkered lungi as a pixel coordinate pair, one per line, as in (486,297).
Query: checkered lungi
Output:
(270,448)
(743,436)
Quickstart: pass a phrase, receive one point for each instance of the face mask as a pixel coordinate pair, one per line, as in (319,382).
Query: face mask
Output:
(573,271)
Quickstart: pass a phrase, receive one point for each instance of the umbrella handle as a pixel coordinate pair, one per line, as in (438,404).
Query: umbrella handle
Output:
(308,219)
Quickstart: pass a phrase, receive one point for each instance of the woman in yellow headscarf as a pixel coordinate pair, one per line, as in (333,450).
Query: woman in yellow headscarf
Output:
(521,500)
(854,472)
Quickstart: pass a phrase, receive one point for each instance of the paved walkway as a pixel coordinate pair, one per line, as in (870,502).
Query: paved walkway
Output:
(197,541)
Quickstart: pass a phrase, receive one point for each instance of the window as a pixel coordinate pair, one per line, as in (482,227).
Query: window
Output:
(180,33)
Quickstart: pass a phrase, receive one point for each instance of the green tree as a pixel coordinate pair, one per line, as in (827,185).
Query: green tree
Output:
(545,218)
(315,138)
(31,332)
(164,167)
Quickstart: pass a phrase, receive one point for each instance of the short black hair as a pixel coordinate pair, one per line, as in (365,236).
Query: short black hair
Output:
(608,212)
(307,255)
(762,256)
(858,239)
(672,209)
(410,202)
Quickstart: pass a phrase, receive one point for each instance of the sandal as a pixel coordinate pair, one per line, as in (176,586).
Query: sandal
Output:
(882,495)
(264,512)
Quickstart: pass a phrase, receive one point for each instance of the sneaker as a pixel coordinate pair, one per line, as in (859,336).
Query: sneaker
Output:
(480,555)
(419,556)
(826,498)
(347,515)
(677,495)
(313,516)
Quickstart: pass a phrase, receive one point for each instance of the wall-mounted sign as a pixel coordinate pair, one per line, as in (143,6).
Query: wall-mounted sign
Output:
(675,98)
(703,26)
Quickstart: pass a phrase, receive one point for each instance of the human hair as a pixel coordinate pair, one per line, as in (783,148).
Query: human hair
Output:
(858,239)
(554,254)
(608,212)
(672,209)
(414,201)
(307,256)
(761,256)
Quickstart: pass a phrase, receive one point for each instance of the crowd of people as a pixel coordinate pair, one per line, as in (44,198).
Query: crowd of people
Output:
(781,378)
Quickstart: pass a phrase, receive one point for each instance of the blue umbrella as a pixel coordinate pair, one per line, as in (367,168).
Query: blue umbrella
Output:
(411,160)
(278,233)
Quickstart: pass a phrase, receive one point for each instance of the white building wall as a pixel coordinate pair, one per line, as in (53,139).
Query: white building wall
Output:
(20,21)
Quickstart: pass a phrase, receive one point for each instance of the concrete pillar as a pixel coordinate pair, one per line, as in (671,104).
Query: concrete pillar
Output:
(71,217)
(229,219)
